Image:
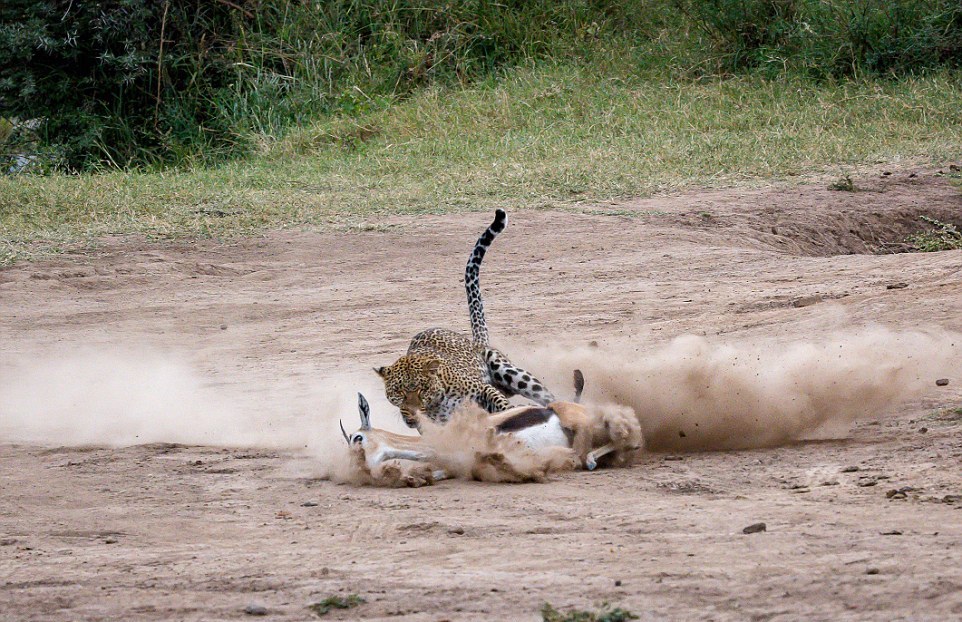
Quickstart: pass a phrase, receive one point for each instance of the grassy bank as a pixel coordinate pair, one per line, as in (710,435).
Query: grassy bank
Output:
(539,136)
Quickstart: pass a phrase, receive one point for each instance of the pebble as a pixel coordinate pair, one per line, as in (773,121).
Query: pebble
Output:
(894,532)
(457,530)
(309,504)
(923,430)
(942,382)
(255,610)
(866,482)
(755,528)
(806,301)
(617,582)
(896,286)
(223,326)
(110,540)
(850,469)
(872,571)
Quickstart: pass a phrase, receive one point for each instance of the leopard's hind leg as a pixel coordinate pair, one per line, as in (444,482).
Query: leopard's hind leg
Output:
(512,380)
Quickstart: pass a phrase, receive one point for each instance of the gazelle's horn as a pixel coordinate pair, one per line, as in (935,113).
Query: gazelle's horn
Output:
(579,379)
(365,410)
(343,432)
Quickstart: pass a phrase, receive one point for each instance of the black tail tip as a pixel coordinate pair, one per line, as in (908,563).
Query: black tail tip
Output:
(500,219)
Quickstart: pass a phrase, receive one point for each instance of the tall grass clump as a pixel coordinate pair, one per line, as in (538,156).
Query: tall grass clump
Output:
(829,38)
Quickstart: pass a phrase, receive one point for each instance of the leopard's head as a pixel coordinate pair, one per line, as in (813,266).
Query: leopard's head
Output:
(413,385)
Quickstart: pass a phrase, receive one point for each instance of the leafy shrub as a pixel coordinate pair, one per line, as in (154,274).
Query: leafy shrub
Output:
(941,236)
(132,82)
(121,81)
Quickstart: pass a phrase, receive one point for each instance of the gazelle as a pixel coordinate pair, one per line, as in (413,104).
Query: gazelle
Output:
(588,433)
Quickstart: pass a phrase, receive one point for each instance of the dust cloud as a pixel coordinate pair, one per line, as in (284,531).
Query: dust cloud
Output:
(117,397)
(698,394)
(691,394)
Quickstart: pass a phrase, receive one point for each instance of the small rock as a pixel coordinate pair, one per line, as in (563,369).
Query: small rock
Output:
(942,382)
(895,494)
(309,504)
(593,343)
(457,531)
(806,301)
(950,499)
(255,610)
(894,532)
(9,541)
(325,571)
(923,430)
(872,571)
(617,582)
(850,469)
(912,175)
(865,482)
(896,286)
(223,326)
(671,458)
(886,173)
(798,491)
(110,540)
(755,528)
(832,482)
(954,167)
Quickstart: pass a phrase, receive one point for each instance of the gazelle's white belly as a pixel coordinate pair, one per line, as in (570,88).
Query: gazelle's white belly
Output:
(547,434)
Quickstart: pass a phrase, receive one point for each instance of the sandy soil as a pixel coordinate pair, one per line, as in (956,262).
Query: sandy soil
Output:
(190,532)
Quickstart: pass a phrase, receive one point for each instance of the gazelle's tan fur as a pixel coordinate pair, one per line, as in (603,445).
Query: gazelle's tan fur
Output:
(517,445)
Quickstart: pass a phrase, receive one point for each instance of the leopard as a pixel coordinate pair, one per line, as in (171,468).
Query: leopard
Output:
(444,369)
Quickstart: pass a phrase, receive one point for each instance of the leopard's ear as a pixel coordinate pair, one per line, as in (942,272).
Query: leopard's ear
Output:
(432,367)
(381,371)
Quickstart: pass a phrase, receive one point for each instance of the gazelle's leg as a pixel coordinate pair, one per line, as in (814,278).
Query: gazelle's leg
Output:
(440,474)
(399,454)
(591,460)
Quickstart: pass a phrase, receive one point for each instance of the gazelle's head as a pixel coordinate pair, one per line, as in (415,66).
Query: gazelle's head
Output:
(359,439)
(370,447)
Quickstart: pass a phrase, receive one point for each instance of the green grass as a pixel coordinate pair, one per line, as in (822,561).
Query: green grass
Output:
(322,608)
(605,614)
(939,236)
(542,136)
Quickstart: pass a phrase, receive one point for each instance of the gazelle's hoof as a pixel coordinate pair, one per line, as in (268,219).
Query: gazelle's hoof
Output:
(590,464)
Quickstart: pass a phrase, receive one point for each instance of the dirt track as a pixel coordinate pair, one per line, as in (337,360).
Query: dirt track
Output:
(160,531)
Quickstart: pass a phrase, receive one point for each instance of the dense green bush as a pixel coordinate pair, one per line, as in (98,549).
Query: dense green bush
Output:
(129,82)
(104,87)
(840,38)
(140,82)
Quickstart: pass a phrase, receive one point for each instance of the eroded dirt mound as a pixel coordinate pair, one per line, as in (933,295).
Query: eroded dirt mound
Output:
(877,215)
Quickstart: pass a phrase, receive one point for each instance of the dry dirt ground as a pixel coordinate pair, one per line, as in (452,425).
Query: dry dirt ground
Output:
(191,532)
